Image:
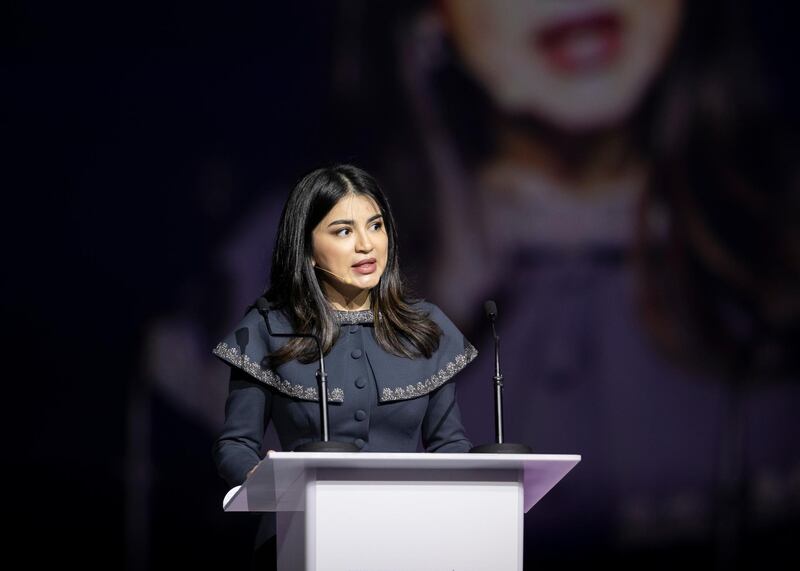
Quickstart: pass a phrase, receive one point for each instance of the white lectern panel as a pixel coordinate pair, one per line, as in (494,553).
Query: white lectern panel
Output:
(367,521)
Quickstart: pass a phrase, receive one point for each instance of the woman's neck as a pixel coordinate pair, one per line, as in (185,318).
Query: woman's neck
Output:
(346,300)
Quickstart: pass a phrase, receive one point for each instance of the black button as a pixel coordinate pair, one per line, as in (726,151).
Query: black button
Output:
(360,442)
(356,354)
(354,329)
(361,382)
(360,415)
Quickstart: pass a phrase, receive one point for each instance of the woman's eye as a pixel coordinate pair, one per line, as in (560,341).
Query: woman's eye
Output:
(343,232)
(376,225)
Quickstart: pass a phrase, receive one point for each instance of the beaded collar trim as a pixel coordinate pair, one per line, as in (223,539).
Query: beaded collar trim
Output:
(267,376)
(353,317)
(233,356)
(433,382)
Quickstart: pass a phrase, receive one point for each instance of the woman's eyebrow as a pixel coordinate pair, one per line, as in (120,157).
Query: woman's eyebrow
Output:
(375,217)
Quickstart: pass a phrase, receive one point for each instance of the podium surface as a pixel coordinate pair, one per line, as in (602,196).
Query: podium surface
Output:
(382,511)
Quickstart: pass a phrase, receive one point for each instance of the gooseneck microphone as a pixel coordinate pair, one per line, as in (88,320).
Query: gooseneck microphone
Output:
(490,307)
(499,446)
(242,339)
(325,444)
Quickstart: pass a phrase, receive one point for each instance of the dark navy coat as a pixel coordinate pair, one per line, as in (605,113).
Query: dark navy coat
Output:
(379,401)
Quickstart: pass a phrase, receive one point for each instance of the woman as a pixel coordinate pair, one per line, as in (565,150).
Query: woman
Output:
(335,273)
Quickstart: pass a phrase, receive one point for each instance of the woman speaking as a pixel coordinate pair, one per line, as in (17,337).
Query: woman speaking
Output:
(335,274)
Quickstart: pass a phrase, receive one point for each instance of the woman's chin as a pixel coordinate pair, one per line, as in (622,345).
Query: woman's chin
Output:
(355,284)
(365,282)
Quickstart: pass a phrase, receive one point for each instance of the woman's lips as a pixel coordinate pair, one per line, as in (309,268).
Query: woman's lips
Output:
(581,42)
(365,267)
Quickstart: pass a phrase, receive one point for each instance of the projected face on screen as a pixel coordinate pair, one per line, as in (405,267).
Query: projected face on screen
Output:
(576,65)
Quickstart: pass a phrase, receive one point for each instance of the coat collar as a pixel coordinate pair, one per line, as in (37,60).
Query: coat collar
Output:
(397,378)
(354,317)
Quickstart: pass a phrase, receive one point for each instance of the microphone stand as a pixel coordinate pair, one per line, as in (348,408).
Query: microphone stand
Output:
(499,446)
(324,444)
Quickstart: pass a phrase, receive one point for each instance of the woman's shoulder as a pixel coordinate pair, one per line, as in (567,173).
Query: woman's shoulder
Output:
(426,307)
(251,335)
(262,310)
(402,378)
(277,314)
(435,314)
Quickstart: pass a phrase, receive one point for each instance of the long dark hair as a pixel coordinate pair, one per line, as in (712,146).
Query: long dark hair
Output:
(725,291)
(400,328)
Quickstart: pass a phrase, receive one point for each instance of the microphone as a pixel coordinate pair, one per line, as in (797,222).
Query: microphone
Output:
(490,307)
(499,446)
(242,339)
(324,444)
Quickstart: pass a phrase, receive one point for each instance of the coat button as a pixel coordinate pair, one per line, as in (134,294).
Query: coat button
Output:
(356,354)
(361,382)
(360,442)
(360,415)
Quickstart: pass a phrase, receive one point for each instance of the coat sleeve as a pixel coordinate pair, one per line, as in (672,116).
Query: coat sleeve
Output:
(442,430)
(237,449)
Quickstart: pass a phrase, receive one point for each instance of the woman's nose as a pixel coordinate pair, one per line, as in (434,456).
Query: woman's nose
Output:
(363,242)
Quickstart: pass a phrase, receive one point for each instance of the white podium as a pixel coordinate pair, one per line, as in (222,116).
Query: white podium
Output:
(399,511)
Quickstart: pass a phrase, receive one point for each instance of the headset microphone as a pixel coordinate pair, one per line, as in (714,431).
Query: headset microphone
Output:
(346,280)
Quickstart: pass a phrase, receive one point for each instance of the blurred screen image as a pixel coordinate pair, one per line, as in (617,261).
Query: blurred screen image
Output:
(619,176)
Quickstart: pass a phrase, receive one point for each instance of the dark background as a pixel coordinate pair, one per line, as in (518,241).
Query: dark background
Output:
(135,136)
